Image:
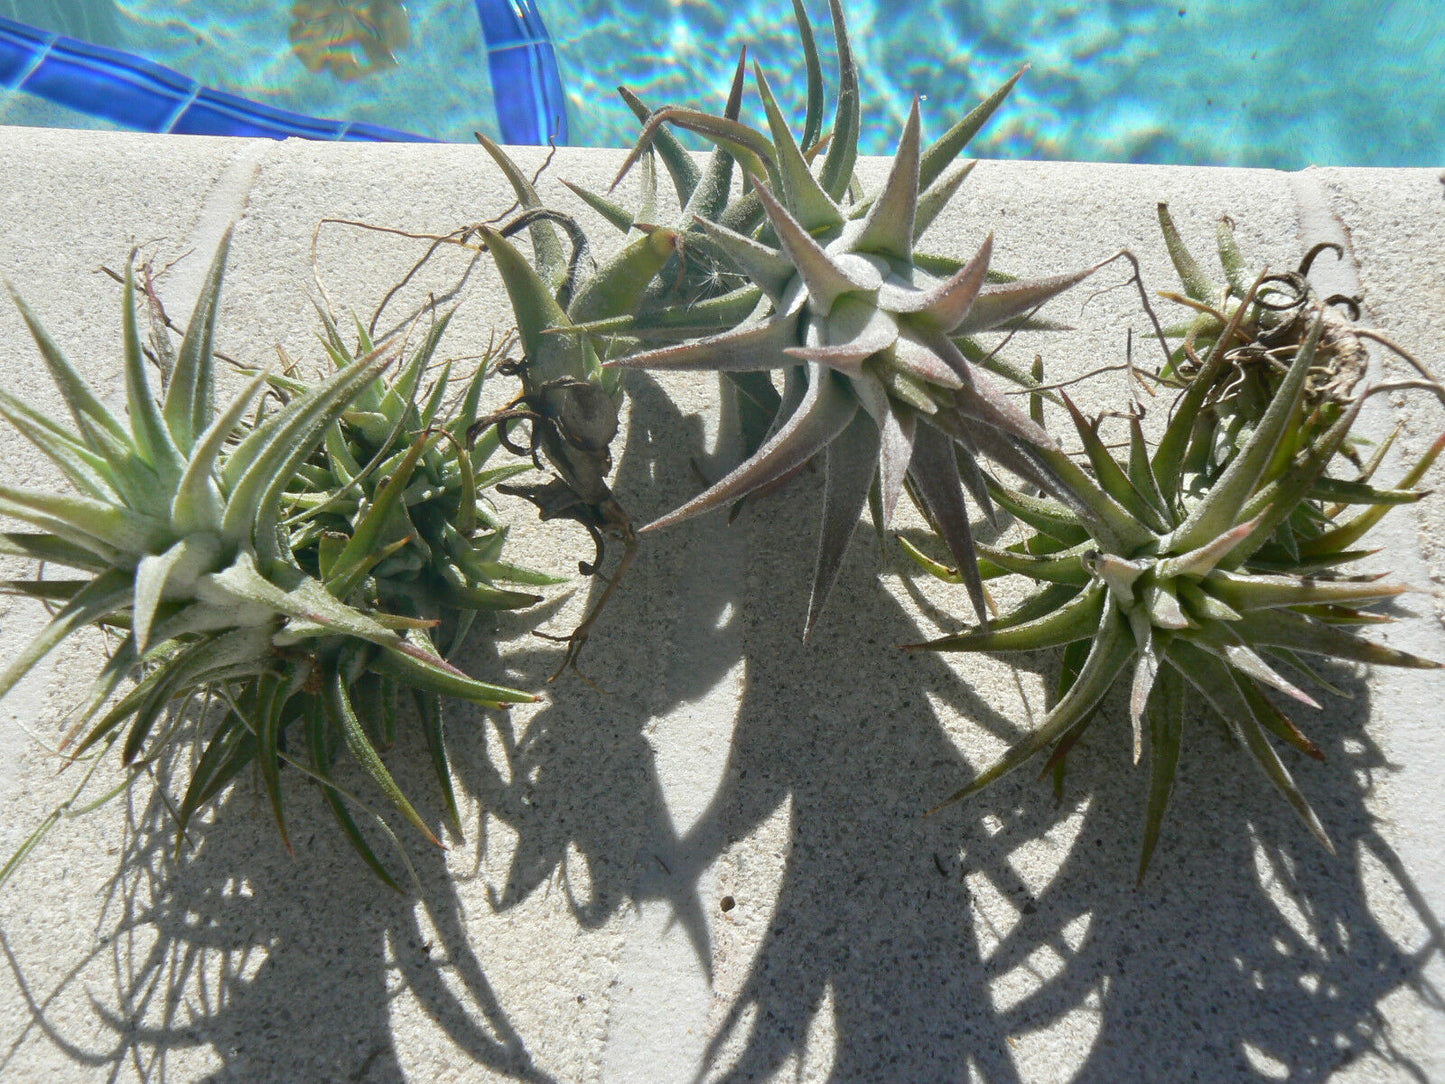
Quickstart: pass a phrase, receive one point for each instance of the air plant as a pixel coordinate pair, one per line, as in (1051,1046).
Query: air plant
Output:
(568,400)
(1181,575)
(178,542)
(403,447)
(872,338)
(827,287)
(702,289)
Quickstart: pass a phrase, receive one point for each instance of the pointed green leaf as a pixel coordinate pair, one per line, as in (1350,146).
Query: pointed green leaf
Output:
(104,594)
(826,410)
(1064,566)
(614,213)
(813,123)
(933,200)
(618,286)
(1274,720)
(1221,505)
(1187,411)
(837,171)
(1111,477)
(343,716)
(52,550)
(801,193)
(1335,541)
(1281,628)
(352,563)
(1044,514)
(551,357)
(1235,271)
(109,524)
(1077,619)
(1274,504)
(1112,648)
(230,749)
(1166,731)
(83,403)
(1217,685)
(152,437)
(1196,282)
(551,262)
(198,504)
(429,707)
(320,765)
(950,145)
(422,668)
(190,394)
(1256,591)
(753,151)
(267,458)
(851,462)
(680,166)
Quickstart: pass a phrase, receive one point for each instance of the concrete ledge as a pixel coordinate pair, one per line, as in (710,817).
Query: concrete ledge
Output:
(580,931)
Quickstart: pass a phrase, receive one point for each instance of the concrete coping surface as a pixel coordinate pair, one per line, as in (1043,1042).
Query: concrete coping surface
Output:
(707,859)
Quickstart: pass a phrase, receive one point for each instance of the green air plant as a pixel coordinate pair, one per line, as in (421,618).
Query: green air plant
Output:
(403,447)
(177,539)
(569,401)
(1162,569)
(872,339)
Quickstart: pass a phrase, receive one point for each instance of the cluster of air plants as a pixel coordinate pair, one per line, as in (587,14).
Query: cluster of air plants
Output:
(270,567)
(1201,561)
(297,566)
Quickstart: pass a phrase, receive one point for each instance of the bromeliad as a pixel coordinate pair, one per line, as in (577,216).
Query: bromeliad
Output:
(1179,572)
(873,339)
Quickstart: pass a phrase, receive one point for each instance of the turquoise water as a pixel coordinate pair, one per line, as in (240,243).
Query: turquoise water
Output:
(1283,83)
(1226,82)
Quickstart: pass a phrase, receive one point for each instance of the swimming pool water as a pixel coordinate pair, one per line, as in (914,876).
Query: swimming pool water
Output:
(1282,83)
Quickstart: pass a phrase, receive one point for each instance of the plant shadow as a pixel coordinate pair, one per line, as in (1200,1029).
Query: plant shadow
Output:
(1003,939)
(239,962)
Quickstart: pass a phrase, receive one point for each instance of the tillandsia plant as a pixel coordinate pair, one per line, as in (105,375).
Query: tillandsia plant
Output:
(872,338)
(1180,577)
(177,538)
(569,401)
(702,289)
(395,476)
(808,274)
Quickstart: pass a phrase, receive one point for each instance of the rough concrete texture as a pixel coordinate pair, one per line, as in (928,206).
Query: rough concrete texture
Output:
(581,931)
